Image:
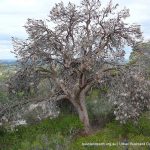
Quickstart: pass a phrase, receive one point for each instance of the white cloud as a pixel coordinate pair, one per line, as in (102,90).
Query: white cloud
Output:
(12,6)
(139,13)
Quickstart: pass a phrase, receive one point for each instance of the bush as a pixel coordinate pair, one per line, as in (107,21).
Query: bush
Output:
(144,124)
(99,108)
(3,97)
(66,107)
(142,127)
(49,133)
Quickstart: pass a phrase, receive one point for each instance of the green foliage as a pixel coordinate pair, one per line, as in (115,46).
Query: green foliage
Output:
(49,133)
(98,106)
(58,133)
(6,71)
(144,124)
(3,97)
(141,127)
(115,132)
(122,130)
(140,54)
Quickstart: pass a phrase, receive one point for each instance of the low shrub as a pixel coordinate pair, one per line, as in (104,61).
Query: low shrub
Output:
(99,108)
(41,135)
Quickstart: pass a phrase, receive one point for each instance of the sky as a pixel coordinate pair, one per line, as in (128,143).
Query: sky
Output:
(14,13)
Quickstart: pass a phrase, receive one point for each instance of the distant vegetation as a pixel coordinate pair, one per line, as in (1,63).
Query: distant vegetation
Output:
(8,61)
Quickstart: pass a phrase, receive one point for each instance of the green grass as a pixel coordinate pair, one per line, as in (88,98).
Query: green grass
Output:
(49,133)
(61,133)
(105,137)
(116,133)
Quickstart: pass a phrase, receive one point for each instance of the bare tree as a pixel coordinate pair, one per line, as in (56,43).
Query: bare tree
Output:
(76,47)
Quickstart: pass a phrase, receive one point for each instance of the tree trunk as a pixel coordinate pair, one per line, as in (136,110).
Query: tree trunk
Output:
(82,112)
(83,115)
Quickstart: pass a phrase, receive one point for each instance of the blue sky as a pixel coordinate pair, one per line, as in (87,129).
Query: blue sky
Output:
(14,13)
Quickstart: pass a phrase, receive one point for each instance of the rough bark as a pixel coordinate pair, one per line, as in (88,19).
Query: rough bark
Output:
(84,118)
(80,106)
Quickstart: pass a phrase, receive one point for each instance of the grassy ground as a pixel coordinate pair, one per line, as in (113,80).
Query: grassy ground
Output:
(49,134)
(63,133)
